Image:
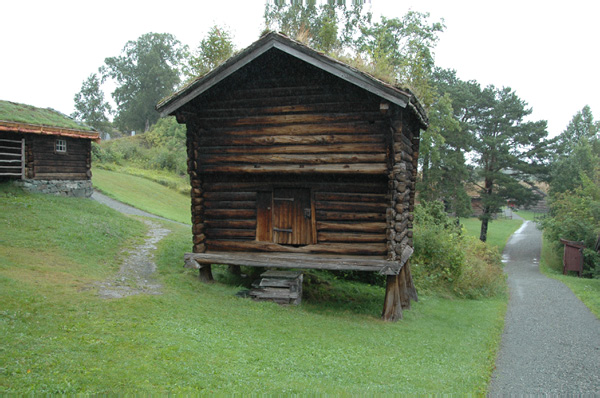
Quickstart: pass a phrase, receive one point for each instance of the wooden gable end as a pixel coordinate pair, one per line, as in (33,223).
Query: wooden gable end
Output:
(282,115)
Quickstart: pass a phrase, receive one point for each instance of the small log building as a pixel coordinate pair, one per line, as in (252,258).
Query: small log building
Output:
(45,150)
(297,160)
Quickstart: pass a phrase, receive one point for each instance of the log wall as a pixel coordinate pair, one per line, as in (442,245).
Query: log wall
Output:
(48,164)
(44,163)
(280,124)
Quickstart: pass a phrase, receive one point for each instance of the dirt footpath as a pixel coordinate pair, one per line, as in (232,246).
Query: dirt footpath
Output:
(136,273)
(551,340)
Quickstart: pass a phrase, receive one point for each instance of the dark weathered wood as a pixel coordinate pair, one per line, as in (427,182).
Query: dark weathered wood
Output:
(373,249)
(392,307)
(288,119)
(356,128)
(319,142)
(350,197)
(368,227)
(287,260)
(230,196)
(350,238)
(296,159)
(352,168)
(264,216)
(352,206)
(349,216)
(225,204)
(241,224)
(230,213)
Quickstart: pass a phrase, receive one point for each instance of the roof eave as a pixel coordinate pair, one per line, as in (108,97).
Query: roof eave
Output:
(302,52)
(47,130)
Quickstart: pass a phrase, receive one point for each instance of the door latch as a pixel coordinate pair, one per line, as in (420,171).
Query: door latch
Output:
(307,213)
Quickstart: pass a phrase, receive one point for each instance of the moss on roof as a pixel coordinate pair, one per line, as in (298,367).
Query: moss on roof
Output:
(21,113)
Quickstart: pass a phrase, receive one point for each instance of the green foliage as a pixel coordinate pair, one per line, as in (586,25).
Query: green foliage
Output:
(148,70)
(447,260)
(90,106)
(405,47)
(575,215)
(439,256)
(58,336)
(213,50)
(330,28)
(510,153)
(577,152)
(575,189)
(163,147)
(482,274)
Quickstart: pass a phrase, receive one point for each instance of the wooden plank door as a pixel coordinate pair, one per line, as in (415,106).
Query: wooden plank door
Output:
(292,216)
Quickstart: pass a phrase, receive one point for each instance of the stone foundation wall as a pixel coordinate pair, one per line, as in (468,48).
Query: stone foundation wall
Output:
(76,188)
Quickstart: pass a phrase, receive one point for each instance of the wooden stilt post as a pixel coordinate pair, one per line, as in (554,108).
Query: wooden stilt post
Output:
(392,307)
(402,289)
(206,274)
(412,290)
(235,270)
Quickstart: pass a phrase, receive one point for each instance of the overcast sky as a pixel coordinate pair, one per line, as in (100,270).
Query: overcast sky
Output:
(546,51)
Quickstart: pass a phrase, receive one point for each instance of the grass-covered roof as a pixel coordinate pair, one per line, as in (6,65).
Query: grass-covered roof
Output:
(21,113)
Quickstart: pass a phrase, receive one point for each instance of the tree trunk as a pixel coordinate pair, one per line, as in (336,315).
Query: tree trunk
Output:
(484,228)
(487,210)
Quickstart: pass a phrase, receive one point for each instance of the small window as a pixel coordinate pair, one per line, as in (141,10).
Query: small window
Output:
(61,146)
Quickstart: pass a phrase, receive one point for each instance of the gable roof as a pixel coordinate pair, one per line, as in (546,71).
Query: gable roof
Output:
(22,118)
(273,40)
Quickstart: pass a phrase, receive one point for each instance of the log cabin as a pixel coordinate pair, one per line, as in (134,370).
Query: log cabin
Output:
(297,160)
(45,151)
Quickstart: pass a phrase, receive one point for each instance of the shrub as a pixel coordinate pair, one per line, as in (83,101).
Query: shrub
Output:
(445,260)
(482,274)
(575,215)
(439,256)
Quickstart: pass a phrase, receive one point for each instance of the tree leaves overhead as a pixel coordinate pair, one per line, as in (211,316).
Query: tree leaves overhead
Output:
(90,106)
(148,70)
(510,152)
(213,50)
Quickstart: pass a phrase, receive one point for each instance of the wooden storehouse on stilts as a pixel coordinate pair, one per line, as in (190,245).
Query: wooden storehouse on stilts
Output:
(297,160)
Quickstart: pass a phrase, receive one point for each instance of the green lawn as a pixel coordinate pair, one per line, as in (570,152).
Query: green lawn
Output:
(58,336)
(498,230)
(144,194)
(530,215)
(587,290)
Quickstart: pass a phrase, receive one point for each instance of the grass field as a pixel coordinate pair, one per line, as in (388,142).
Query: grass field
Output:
(144,194)
(587,290)
(58,336)
(498,230)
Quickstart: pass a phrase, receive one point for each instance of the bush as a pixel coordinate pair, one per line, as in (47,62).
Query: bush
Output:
(575,215)
(482,274)
(445,260)
(439,256)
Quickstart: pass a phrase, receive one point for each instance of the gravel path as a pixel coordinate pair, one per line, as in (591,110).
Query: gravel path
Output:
(126,209)
(551,341)
(136,273)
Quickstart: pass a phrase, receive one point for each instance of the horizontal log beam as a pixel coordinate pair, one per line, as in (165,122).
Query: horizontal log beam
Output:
(291,159)
(288,260)
(371,249)
(372,227)
(341,168)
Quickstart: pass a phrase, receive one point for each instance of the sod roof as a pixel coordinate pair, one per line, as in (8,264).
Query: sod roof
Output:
(21,113)
(30,119)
